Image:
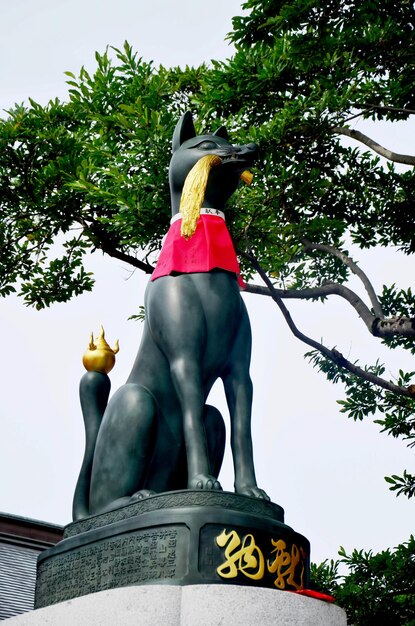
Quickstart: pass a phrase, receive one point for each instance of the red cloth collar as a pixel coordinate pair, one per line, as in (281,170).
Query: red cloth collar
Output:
(210,247)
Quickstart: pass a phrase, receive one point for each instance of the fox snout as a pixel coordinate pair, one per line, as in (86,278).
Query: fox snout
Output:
(246,152)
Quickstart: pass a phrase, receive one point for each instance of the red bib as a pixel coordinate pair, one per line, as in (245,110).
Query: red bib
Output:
(210,247)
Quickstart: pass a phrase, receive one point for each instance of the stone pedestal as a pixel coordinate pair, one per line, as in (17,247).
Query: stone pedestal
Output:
(176,538)
(194,605)
(185,558)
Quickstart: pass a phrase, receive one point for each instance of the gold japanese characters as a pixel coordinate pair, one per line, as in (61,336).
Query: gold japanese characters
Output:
(245,557)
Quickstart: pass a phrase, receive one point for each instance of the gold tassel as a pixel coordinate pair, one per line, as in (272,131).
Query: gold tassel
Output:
(193,193)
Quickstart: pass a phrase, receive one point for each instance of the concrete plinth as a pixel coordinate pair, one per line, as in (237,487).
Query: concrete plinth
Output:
(193,605)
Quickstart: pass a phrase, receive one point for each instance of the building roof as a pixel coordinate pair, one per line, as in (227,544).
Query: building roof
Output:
(21,541)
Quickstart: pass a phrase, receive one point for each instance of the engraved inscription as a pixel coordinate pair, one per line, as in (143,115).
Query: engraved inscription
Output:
(119,561)
(270,557)
(286,565)
(241,556)
(244,557)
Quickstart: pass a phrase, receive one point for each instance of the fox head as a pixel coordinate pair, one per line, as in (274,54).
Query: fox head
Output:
(188,148)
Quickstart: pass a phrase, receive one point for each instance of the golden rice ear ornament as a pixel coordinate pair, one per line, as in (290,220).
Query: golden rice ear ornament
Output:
(193,193)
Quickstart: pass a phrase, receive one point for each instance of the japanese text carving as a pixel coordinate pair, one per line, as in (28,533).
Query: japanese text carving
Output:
(244,556)
(285,564)
(241,556)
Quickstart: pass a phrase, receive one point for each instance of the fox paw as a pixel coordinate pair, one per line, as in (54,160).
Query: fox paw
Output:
(252,492)
(204,481)
(140,495)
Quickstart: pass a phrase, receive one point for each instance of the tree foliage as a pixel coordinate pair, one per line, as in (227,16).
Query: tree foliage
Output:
(377,588)
(91,173)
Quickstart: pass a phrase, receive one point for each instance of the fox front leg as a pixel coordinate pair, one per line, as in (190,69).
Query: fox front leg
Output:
(186,379)
(238,390)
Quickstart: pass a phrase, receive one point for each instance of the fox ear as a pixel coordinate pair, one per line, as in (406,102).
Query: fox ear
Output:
(184,130)
(222,132)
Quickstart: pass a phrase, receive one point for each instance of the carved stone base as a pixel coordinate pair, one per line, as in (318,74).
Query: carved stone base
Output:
(195,605)
(176,538)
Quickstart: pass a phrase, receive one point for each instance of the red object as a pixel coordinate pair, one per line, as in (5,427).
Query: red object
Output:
(315,594)
(210,247)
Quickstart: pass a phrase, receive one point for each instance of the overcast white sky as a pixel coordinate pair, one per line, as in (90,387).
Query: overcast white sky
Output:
(324,470)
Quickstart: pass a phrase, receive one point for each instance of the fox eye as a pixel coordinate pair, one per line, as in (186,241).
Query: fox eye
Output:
(207,145)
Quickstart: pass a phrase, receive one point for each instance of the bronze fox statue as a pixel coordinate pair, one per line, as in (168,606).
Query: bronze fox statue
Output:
(157,433)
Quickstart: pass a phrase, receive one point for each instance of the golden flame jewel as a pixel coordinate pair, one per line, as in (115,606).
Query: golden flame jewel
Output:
(99,357)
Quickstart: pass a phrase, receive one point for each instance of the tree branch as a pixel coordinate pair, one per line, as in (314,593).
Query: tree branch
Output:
(376,107)
(329,289)
(353,117)
(127,258)
(404,326)
(348,261)
(333,355)
(383,328)
(379,107)
(102,241)
(373,145)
